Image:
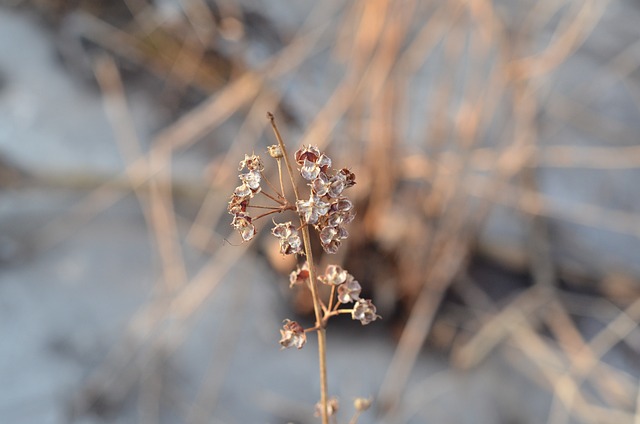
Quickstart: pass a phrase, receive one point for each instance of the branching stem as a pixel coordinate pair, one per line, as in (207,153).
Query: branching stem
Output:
(278,201)
(280,196)
(317,306)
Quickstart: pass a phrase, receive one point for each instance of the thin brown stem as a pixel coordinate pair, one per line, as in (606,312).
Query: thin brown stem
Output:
(280,195)
(265,207)
(317,308)
(267,214)
(284,153)
(331,296)
(337,312)
(280,176)
(336,306)
(278,201)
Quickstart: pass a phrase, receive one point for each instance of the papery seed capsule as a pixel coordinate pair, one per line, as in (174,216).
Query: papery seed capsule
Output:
(275,151)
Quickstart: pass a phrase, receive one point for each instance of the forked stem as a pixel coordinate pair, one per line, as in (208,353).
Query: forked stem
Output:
(320,324)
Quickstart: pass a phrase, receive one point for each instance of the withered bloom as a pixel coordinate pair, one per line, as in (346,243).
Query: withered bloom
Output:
(292,335)
(364,311)
(308,153)
(290,241)
(252,163)
(242,223)
(334,275)
(349,291)
(275,151)
(311,210)
(299,276)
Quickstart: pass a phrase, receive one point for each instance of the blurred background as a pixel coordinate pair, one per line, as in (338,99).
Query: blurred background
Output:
(497,157)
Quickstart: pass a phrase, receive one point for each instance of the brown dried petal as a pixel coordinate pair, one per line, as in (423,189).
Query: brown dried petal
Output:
(237,204)
(349,177)
(310,153)
(300,275)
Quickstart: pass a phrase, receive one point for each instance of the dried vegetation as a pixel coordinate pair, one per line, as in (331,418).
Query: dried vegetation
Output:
(446,111)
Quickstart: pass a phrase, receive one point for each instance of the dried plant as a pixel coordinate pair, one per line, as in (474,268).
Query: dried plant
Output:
(327,210)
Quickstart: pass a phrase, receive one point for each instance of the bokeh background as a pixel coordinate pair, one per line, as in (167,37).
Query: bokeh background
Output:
(496,149)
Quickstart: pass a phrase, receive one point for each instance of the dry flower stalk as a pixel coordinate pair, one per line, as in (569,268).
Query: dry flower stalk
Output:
(326,210)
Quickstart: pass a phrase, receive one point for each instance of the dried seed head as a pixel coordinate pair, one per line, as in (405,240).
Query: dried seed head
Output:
(321,184)
(312,162)
(349,291)
(242,195)
(331,238)
(362,404)
(252,180)
(242,223)
(309,170)
(364,311)
(332,407)
(299,276)
(324,162)
(237,204)
(290,241)
(334,275)
(349,177)
(252,163)
(292,334)
(336,186)
(311,210)
(275,151)
(309,153)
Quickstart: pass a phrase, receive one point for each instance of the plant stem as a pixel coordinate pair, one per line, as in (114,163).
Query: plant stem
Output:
(331,296)
(284,154)
(278,201)
(355,417)
(320,323)
(306,237)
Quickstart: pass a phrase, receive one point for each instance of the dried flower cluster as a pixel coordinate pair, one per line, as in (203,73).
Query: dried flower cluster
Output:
(327,210)
(346,288)
(243,194)
(292,335)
